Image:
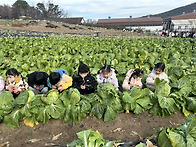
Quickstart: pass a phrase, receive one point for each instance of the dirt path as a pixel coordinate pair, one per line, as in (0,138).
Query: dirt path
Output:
(72,29)
(125,127)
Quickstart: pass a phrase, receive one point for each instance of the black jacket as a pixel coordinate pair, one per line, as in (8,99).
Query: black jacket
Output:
(31,78)
(88,81)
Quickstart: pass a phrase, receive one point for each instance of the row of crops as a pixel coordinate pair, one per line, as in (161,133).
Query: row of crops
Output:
(49,54)
(21,33)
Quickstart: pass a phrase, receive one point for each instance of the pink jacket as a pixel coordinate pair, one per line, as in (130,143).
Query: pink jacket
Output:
(127,85)
(2,85)
(152,76)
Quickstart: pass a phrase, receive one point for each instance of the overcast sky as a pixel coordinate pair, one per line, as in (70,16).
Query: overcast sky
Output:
(100,9)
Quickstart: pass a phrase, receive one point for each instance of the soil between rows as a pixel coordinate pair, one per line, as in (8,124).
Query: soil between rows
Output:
(125,127)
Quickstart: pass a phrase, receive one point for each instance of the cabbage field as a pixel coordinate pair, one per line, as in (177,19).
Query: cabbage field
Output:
(29,54)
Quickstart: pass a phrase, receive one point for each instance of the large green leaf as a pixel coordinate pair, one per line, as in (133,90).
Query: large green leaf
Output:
(84,136)
(163,139)
(70,96)
(145,102)
(67,115)
(55,110)
(97,110)
(22,98)
(176,139)
(74,96)
(191,104)
(50,97)
(91,138)
(12,120)
(110,114)
(191,142)
(43,116)
(5,99)
(162,88)
(85,106)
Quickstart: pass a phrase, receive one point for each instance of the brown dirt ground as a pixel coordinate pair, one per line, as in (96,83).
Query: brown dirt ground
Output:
(72,29)
(125,127)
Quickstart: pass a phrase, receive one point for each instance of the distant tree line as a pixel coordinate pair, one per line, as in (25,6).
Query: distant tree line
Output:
(40,11)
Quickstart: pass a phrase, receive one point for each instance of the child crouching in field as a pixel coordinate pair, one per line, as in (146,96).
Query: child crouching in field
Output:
(84,81)
(157,72)
(14,82)
(60,80)
(107,74)
(38,82)
(133,79)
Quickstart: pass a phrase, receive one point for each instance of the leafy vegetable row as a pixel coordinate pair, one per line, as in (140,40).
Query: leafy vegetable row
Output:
(106,103)
(51,53)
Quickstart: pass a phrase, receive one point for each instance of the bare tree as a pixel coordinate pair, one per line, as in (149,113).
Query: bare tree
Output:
(5,12)
(50,10)
(34,13)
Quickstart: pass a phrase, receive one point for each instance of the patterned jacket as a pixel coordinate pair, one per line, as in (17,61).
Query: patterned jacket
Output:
(19,83)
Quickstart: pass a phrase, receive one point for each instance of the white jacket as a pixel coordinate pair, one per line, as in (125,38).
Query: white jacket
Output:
(152,76)
(112,79)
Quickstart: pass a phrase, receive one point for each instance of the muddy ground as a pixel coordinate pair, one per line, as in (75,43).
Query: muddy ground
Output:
(70,29)
(125,127)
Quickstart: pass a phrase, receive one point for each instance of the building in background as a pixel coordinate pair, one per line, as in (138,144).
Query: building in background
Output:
(145,23)
(181,23)
(91,21)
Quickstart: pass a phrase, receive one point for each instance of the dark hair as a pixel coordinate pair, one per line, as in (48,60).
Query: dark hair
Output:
(39,78)
(106,68)
(160,65)
(12,72)
(54,78)
(83,68)
(138,72)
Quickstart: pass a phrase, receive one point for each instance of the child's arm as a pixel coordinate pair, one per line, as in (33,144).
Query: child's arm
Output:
(125,84)
(8,86)
(75,83)
(99,80)
(90,85)
(126,81)
(165,77)
(139,83)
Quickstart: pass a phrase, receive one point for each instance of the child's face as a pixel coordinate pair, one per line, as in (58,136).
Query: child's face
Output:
(158,71)
(11,78)
(83,75)
(106,74)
